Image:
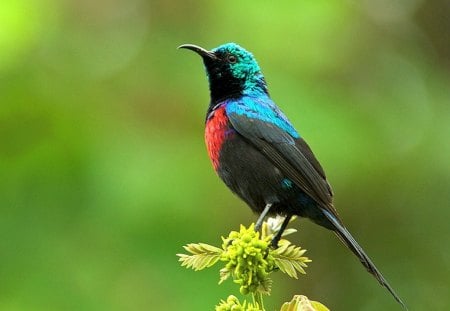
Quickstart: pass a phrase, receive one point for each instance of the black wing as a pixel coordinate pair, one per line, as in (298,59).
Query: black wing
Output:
(291,155)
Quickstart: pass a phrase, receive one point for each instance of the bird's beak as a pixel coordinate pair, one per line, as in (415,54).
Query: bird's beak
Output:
(200,51)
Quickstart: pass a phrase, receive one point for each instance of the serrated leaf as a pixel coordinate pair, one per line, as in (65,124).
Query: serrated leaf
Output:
(282,248)
(289,258)
(201,248)
(204,256)
(299,266)
(286,267)
(199,261)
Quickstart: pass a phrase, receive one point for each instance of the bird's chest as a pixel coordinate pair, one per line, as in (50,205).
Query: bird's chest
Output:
(217,131)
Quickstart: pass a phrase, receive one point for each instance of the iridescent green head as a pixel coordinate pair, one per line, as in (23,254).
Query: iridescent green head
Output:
(232,71)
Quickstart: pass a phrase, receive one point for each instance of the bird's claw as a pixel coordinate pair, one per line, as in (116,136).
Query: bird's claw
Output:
(274,243)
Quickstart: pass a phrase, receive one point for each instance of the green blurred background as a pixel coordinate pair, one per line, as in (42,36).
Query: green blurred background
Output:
(103,169)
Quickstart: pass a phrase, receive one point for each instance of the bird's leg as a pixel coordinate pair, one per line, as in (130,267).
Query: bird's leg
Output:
(262,216)
(277,237)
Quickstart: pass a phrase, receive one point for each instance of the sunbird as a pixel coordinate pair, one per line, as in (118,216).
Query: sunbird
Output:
(258,153)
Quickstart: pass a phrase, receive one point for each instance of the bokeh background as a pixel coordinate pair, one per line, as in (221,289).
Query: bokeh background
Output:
(103,169)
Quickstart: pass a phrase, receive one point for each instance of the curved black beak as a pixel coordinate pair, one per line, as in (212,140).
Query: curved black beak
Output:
(199,50)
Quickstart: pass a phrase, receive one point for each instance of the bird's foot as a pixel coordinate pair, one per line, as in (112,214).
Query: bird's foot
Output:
(274,243)
(258,227)
(261,217)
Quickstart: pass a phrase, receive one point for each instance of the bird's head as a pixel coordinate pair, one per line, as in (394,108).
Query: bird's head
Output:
(232,71)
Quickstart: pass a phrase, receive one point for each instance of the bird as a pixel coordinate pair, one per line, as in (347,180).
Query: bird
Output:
(258,153)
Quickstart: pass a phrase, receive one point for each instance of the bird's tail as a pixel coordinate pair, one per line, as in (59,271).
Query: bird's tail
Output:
(344,235)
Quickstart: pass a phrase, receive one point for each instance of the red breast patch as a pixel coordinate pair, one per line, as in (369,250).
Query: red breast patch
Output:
(215,132)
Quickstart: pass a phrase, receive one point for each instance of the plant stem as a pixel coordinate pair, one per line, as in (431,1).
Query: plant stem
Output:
(257,297)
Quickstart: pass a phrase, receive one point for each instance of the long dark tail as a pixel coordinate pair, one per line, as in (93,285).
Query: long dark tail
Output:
(346,238)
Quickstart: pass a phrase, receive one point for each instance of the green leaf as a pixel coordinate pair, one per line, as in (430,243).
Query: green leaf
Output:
(204,256)
(290,260)
(302,303)
(318,306)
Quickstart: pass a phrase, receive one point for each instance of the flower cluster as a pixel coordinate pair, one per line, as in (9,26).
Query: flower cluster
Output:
(248,259)
(233,304)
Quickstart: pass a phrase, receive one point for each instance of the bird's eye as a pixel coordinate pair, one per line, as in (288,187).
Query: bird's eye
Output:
(231,59)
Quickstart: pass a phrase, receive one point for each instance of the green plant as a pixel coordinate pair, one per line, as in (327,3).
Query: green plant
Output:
(249,260)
